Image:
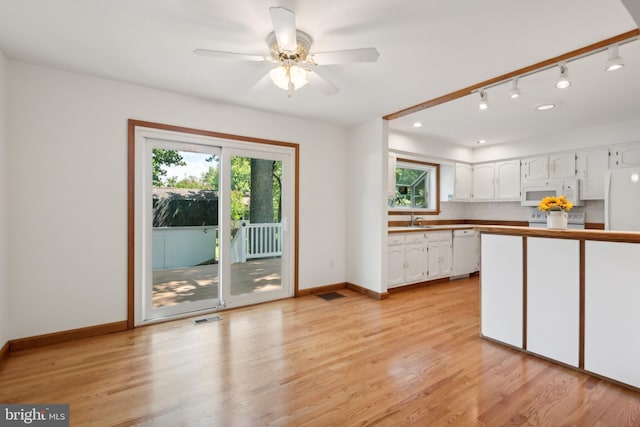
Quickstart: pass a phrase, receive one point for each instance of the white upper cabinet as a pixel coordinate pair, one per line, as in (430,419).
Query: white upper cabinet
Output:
(592,166)
(535,168)
(487,181)
(559,165)
(462,182)
(562,165)
(625,155)
(482,182)
(507,181)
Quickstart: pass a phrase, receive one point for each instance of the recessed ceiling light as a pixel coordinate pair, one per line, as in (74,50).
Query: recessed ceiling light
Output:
(543,107)
(416,125)
(482,141)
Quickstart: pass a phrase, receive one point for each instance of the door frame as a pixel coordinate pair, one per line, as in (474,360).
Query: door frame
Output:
(136,128)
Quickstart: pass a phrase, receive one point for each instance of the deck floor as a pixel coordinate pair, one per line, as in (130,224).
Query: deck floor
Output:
(201,282)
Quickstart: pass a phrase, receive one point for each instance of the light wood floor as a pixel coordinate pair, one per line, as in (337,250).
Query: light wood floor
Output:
(413,359)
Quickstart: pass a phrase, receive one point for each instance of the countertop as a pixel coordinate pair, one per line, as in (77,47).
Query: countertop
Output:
(588,234)
(405,229)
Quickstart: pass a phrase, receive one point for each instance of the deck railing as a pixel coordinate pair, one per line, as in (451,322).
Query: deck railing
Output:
(175,247)
(256,241)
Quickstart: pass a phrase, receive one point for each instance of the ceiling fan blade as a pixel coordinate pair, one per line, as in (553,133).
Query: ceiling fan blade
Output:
(229,55)
(284,25)
(320,82)
(259,77)
(366,54)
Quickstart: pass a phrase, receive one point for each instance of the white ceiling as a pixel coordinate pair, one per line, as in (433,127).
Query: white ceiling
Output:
(428,48)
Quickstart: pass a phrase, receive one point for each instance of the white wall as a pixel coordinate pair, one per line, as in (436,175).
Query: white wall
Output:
(68,149)
(435,150)
(4,202)
(367,205)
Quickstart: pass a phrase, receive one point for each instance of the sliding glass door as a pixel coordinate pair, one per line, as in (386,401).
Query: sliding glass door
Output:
(215,221)
(183,202)
(257,207)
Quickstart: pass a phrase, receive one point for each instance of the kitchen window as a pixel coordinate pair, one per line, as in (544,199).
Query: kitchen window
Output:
(416,187)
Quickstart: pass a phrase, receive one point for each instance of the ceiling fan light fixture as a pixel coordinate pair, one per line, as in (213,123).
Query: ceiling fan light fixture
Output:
(288,77)
(614,62)
(484,101)
(563,81)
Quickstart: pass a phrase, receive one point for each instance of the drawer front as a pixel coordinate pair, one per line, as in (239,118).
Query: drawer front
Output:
(395,240)
(439,236)
(412,238)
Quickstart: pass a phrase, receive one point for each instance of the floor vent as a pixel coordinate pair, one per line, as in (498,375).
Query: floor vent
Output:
(330,296)
(206,320)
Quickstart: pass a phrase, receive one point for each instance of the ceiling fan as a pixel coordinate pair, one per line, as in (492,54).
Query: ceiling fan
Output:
(289,49)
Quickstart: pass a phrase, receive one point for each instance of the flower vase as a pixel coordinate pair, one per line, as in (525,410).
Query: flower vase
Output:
(557,220)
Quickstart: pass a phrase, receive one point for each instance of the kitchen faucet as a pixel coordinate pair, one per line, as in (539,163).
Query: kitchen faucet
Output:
(414,219)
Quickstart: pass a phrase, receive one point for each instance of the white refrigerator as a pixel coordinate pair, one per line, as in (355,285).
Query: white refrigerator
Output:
(622,200)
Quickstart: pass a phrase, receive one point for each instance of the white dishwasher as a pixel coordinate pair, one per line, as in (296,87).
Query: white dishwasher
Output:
(465,252)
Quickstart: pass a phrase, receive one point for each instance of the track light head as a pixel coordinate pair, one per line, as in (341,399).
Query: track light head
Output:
(614,62)
(563,81)
(514,90)
(484,101)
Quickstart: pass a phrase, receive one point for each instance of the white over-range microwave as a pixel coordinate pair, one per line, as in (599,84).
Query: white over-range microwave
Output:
(533,192)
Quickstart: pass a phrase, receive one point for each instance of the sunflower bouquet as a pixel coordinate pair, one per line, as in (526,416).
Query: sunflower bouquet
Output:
(552,203)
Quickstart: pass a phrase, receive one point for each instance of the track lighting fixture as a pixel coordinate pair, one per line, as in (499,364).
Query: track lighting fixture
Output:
(514,91)
(614,62)
(563,81)
(484,101)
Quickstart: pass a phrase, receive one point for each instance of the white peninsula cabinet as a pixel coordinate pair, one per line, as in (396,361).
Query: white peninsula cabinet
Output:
(612,317)
(553,299)
(502,283)
(581,296)
(406,260)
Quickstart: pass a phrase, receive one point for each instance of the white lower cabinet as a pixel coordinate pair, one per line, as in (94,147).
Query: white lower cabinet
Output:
(406,259)
(553,298)
(501,294)
(439,254)
(612,318)
(395,260)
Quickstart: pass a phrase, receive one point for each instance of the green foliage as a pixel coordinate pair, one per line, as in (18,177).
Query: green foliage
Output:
(209,180)
(163,158)
(410,188)
(408,176)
